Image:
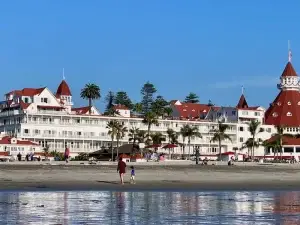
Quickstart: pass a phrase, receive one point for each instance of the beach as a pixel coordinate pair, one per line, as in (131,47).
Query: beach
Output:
(149,177)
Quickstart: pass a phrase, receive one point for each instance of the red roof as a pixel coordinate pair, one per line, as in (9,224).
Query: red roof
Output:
(286,140)
(7,140)
(81,110)
(192,110)
(285,109)
(27,91)
(63,89)
(242,102)
(120,107)
(289,71)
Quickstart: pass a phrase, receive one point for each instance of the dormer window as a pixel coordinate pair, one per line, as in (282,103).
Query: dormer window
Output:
(298,103)
(278,103)
(184,109)
(274,114)
(193,110)
(289,103)
(289,114)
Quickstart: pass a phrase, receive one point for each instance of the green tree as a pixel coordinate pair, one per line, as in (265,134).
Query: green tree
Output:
(220,135)
(159,106)
(191,132)
(168,111)
(133,136)
(121,131)
(138,108)
(158,138)
(46,151)
(122,98)
(147,93)
(170,133)
(90,92)
(150,118)
(110,97)
(112,127)
(142,136)
(192,98)
(254,128)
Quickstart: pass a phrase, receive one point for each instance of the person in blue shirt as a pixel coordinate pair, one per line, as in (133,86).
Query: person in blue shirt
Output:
(132,176)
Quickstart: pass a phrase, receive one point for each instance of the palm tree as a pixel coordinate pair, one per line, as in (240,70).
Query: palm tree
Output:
(254,130)
(142,137)
(279,138)
(170,133)
(121,131)
(112,131)
(191,132)
(90,92)
(133,136)
(250,144)
(219,135)
(172,137)
(183,133)
(150,118)
(157,138)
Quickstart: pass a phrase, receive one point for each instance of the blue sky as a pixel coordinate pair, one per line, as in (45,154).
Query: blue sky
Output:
(210,47)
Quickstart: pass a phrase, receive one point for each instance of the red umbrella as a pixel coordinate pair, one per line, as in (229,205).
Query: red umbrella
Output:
(153,146)
(170,146)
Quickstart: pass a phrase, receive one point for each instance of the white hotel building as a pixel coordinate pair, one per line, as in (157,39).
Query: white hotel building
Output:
(47,118)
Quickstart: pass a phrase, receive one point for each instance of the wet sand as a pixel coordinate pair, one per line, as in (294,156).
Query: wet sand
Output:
(35,177)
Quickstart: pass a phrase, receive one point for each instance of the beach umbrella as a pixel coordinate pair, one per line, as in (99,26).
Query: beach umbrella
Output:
(170,146)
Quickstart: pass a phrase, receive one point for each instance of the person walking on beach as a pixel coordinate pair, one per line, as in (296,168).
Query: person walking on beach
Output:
(67,153)
(121,169)
(132,176)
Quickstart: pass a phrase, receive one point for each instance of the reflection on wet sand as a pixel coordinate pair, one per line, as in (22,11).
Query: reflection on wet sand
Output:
(150,207)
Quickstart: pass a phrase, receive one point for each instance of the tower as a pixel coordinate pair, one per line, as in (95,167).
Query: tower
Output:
(63,93)
(285,109)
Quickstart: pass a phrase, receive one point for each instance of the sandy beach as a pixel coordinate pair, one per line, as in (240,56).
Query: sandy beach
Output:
(149,177)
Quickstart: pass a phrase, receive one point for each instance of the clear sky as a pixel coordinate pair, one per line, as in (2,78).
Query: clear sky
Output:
(210,47)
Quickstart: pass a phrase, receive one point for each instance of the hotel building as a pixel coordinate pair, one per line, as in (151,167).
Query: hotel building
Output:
(47,118)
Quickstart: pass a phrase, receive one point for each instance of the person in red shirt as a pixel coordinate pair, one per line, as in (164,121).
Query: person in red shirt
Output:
(121,169)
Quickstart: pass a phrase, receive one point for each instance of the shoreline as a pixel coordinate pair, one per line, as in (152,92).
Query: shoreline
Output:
(35,177)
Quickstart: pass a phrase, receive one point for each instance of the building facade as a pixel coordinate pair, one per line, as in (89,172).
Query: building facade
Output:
(50,119)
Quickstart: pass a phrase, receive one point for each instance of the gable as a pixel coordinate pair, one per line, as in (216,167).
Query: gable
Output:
(46,94)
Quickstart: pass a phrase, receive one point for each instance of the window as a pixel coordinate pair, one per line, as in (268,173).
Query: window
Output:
(26,131)
(245,113)
(26,100)
(289,103)
(288,150)
(36,131)
(233,113)
(289,114)
(45,100)
(278,103)
(298,150)
(241,128)
(274,114)
(241,139)
(256,113)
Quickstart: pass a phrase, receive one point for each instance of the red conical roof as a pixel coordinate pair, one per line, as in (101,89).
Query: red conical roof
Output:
(63,89)
(242,102)
(285,109)
(289,71)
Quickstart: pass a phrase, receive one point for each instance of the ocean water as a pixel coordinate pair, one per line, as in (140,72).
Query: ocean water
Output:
(149,208)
